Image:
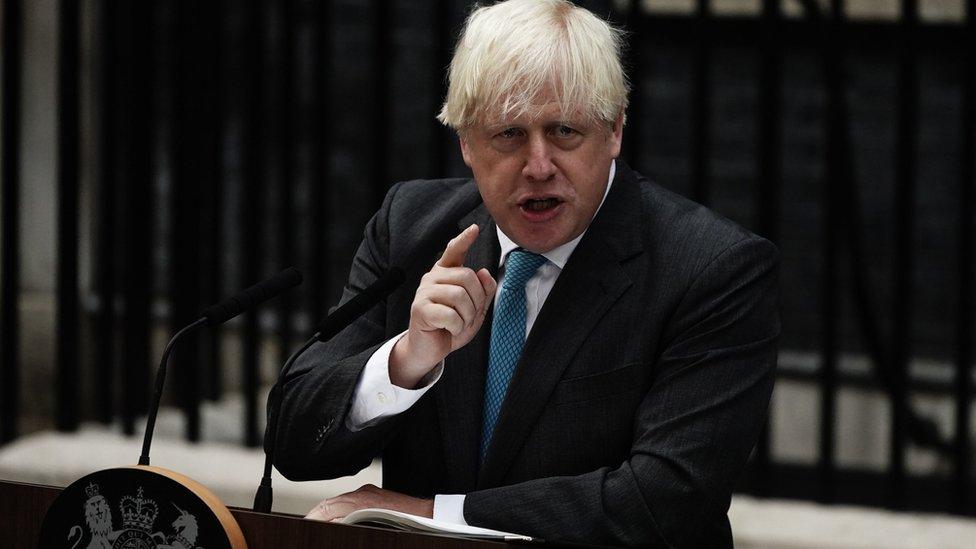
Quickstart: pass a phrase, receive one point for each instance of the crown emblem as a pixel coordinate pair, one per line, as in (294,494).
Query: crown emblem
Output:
(138,512)
(91,491)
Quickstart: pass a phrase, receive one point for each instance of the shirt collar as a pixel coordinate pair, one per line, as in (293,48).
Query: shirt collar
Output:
(560,254)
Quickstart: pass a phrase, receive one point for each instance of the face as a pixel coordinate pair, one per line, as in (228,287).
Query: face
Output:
(542,178)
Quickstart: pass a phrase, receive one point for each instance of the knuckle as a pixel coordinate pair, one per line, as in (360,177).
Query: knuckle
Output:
(430,277)
(457,293)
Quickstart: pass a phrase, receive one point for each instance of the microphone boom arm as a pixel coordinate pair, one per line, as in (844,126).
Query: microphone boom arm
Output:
(158,392)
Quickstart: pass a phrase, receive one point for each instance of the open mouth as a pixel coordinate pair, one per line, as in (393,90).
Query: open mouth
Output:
(540,204)
(540,210)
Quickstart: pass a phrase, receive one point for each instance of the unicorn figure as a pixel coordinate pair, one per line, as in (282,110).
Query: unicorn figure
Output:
(186,529)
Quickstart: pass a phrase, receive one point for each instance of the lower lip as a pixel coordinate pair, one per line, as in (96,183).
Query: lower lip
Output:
(542,216)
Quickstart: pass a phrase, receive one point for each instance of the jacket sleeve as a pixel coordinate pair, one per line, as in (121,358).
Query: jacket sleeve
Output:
(693,431)
(312,441)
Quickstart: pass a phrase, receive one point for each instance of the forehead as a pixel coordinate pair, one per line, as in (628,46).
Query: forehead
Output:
(536,114)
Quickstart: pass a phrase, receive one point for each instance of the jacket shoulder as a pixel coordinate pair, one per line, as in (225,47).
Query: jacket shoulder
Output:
(424,213)
(684,227)
(426,200)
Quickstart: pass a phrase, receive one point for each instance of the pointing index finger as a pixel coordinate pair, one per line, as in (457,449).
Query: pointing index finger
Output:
(457,248)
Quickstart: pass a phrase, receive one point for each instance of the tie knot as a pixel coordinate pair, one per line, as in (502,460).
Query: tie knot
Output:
(520,267)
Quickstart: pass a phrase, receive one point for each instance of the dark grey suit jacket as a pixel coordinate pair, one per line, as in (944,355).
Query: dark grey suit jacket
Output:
(641,390)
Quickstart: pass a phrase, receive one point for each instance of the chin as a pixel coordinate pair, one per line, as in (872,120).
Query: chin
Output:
(540,243)
(539,237)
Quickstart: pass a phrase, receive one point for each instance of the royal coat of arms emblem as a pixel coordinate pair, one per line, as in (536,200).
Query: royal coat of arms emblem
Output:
(132,508)
(138,518)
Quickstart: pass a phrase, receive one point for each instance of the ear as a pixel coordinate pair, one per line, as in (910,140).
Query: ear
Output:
(465,151)
(616,136)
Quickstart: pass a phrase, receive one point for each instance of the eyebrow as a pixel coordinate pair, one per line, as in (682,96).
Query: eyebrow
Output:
(504,125)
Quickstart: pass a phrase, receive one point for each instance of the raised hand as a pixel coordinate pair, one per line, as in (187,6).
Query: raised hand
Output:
(448,309)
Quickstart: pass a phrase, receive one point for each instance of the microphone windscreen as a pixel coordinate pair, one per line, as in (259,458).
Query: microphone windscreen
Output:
(362,302)
(259,293)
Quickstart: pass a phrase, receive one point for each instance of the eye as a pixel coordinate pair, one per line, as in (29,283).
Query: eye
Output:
(563,130)
(508,140)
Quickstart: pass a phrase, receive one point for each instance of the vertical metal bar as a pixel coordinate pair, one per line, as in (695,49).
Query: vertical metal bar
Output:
(286,157)
(136,194)
(130,402)
(633,143)
(902,310)
(103,271)
(383,29)
(770,93)
(322,146)
(192,87)
(828,343)
(701,105)
(183,223)
(251,218)
(196,157)
(322,51)
(833,59)
(965,321)
(66,318)
(10,123)
(214,235)
(443,28)
(770,180)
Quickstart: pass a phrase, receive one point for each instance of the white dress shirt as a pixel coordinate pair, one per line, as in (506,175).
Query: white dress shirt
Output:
(376,397)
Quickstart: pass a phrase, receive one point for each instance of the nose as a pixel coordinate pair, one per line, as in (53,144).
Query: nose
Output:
(538,164)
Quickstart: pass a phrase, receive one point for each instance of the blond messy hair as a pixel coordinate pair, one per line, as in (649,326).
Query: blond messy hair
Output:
(512,52)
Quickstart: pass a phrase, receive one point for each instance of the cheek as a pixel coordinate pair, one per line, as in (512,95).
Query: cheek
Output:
(589,184)
(581,174)
(498,178)
(492,194)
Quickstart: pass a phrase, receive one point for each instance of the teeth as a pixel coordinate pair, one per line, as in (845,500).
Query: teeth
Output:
(539,205)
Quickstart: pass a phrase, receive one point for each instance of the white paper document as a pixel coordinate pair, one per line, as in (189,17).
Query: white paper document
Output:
(414,523)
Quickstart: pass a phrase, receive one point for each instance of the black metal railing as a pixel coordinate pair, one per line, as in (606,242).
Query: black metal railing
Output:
(10,244)
(233,139)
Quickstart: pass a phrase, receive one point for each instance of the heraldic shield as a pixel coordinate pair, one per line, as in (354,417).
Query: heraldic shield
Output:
(139,507)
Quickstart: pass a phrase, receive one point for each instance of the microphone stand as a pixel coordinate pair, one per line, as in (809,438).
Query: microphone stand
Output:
(334,323)
(158,392)
(264,496)
(212,316)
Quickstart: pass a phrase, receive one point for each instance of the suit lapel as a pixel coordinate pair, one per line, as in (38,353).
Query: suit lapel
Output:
(591,282)
(460,393)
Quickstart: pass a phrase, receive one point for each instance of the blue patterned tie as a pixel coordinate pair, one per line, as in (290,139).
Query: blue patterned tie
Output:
(507,337)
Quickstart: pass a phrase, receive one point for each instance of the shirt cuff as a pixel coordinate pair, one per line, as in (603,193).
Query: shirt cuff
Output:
(449,508)
(376,397)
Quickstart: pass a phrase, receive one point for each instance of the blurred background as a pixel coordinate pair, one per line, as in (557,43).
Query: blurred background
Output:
(159,156)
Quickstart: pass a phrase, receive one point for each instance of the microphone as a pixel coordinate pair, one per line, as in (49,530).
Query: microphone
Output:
(212,316)
(338,319)
(259,293)
(335,322)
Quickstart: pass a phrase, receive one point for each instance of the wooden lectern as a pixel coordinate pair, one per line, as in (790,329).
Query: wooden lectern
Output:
(23,506)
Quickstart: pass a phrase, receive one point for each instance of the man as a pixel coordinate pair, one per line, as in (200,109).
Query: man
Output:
(609,388)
